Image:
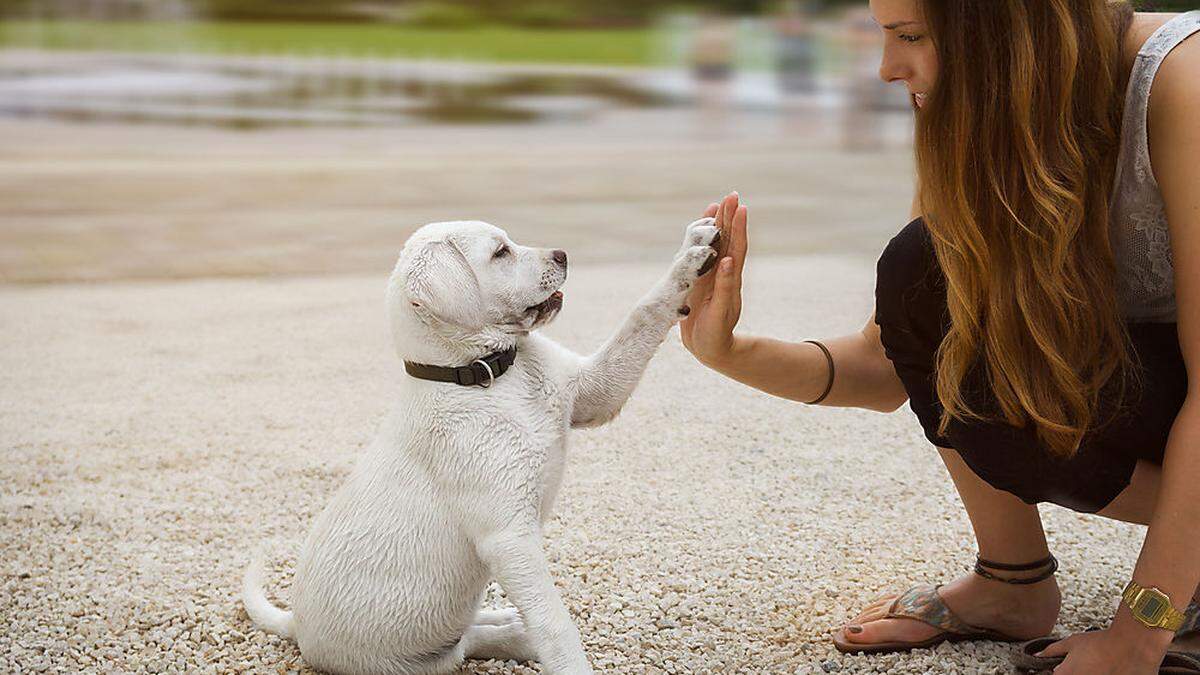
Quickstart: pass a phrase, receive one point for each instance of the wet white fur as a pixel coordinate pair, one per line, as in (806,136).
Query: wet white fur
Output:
(456,487)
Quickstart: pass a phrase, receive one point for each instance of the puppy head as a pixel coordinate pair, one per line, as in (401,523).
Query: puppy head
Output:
(466,280)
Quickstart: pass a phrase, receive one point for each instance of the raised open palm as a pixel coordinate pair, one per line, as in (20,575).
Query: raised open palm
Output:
(716,299)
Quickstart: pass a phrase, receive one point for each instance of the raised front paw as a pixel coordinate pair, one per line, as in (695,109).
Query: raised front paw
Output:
(691,264)
(697,256)
(699,251)
(703,232)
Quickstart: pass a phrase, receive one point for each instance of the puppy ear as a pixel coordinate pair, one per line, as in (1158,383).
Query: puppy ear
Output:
(442,285)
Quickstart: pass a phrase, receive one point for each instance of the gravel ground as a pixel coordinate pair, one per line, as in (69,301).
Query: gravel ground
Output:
(156,432)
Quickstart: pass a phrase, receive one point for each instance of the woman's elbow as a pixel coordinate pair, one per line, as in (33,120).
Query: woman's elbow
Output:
(890,403)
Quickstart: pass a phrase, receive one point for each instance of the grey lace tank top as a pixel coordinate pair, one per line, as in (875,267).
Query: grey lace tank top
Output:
(1138,221)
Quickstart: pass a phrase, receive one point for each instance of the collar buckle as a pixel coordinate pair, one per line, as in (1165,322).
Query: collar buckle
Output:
(479,380)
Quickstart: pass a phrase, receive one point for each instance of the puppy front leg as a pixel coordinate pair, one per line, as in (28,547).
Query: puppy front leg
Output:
(607,378)
(516,559)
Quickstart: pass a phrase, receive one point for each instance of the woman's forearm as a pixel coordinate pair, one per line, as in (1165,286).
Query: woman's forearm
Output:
(1172,547)
(864,378)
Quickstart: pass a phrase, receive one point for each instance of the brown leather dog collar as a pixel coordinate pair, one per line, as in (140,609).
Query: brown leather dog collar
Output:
(480,372)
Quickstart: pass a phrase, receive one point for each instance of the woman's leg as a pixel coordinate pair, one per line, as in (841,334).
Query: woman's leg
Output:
(1008,531)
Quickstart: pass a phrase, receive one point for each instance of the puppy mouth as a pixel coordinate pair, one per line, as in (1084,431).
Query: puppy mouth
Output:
(550,304)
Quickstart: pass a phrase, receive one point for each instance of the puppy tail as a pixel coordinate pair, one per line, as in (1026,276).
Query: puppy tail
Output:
(264,614)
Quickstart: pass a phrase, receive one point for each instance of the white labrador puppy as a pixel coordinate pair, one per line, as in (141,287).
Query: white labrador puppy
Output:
(456,487)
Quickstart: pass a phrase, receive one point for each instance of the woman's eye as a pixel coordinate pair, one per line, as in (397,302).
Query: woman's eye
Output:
(909,38)
(501,252)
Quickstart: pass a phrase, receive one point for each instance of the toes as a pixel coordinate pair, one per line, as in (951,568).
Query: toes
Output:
(870,614)
(875,610)
(890,630)
(881,603)
(708,264)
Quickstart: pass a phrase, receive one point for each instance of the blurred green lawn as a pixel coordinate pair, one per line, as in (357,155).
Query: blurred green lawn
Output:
(622,47)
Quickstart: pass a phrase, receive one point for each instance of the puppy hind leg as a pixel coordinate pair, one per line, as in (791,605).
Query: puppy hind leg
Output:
(449,662)
(493,616)
(501,642)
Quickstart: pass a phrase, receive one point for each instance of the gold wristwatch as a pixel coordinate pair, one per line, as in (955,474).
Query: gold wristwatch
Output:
(1152,607)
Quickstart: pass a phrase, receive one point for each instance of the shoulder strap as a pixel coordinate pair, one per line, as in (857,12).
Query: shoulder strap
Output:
(1145,67)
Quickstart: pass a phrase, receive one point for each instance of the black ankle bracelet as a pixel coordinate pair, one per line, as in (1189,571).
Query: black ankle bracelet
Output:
(981,564)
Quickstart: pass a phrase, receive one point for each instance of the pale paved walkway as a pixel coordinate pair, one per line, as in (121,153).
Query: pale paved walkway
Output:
(154,433)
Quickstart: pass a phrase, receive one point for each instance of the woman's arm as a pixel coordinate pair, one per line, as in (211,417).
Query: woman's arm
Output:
(864,377)
(1170,557)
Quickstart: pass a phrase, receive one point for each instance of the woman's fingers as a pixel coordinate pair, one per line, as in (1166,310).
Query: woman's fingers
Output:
(725,289)
(724,218)
(737,240)
(726,213)
(703,286)
(711,212)
(1059,648)
(723,213)
(729,206)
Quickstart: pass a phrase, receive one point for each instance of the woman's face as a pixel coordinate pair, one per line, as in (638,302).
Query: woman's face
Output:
(908,52)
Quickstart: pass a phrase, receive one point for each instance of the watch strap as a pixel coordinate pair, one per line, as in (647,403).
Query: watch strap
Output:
(1152,607)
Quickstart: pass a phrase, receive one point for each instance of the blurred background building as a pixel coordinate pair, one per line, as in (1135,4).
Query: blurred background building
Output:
(135,131)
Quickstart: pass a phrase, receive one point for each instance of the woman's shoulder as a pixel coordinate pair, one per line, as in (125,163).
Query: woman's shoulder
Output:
(1141,26)
(1176,76)
(1175,96)
(1178,67)
(1140,29)
(912,240)
(910,250)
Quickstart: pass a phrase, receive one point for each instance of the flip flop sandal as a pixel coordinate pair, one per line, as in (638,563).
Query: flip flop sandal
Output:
(1176,661)
(1179,663)
(925,605)
(1023,657)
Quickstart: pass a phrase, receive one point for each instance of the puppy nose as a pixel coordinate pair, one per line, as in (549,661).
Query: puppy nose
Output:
(560,257)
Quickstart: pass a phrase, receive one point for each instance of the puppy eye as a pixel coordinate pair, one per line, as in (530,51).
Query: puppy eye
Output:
(501,252)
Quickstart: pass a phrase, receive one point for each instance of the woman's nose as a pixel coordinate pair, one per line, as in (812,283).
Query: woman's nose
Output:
(892,69)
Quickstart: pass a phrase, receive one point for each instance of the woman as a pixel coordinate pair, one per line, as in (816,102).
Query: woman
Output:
(1029,313)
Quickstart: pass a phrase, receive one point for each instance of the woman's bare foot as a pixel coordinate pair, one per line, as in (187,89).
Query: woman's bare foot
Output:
(1024,611)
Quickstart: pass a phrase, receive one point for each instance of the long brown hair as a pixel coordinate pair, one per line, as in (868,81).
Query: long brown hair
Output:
(1016,148)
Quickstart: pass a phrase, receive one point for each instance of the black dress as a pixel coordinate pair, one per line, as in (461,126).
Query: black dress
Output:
(910,308)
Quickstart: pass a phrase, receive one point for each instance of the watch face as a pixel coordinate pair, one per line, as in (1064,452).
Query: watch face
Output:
(1150,606)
